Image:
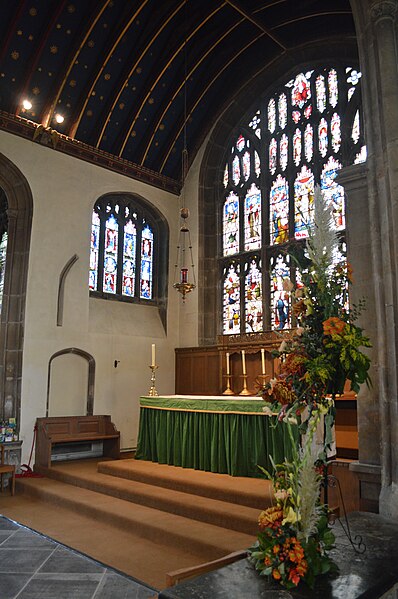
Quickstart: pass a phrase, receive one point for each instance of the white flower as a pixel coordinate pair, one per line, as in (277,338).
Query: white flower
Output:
(267,411)
(299,331)
(282,347)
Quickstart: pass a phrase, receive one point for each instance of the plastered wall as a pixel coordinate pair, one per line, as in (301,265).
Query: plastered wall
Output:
(64,190)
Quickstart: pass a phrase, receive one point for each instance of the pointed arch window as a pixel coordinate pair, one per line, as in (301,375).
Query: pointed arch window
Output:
(123,250)
(299,135)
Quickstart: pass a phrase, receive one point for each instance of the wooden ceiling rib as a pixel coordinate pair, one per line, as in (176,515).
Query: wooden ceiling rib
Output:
(115,68)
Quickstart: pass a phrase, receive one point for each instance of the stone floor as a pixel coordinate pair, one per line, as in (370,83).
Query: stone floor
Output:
(33,566)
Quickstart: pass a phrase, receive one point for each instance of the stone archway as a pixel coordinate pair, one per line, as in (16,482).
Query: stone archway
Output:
(20,209)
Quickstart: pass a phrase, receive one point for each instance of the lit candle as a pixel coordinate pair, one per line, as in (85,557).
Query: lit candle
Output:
(262,361)
(153,355)
(243,362)
(227,357)
(184,275)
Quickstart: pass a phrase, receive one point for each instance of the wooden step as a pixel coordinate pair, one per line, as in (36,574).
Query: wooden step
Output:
(205,540)
(213,511)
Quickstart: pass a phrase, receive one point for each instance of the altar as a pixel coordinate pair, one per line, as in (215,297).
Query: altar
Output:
(229,436)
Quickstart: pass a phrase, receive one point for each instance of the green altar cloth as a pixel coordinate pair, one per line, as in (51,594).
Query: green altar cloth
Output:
(229,436)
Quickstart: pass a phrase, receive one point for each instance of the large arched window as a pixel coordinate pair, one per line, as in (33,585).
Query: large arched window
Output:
(301,135)
(124,249)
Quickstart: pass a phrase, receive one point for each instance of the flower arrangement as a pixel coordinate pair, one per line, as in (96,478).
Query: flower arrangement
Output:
(316,360)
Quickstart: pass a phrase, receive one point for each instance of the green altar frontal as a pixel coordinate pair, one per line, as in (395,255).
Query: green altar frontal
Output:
(229,436)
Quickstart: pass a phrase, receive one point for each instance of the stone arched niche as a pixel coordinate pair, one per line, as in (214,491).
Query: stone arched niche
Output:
(20,207)
(70,383)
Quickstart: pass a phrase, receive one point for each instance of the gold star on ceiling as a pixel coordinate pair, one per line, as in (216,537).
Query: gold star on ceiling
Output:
(36,91)
(33,11)
(15,55)
(138,70)
(89,113)
(91,43)
(107,76)
(72,82)
(71,8)
(53,49)
(121,105)
(151,101)
(19,32)
(161,126)
(133,133)
(30,38)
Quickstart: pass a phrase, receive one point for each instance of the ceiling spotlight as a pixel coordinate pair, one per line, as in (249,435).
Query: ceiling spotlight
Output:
(27,105)
(59,118)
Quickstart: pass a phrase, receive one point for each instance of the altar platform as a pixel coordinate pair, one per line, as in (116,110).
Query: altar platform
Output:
(228,435)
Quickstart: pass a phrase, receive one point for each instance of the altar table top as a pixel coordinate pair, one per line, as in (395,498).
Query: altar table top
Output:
(194,403)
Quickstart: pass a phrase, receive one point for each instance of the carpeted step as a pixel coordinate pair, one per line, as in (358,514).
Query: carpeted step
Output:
(213,511)
(251,492)
(205,540)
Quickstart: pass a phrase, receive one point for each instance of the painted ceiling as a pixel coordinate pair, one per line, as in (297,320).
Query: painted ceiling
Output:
(115,69)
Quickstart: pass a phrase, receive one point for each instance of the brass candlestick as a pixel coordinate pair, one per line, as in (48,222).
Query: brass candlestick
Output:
(152,390)
(261,380)
(228,390)
(245,390)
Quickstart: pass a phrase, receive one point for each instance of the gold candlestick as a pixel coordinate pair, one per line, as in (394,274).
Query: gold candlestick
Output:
(152,390)
(228,390)
(245,390)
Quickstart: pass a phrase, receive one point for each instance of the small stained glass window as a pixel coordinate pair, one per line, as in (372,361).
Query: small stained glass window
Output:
(282,111)
(271,115)
(246,165)
(253,298)
(283,151)
(308,142)
(320,93)
(272,155)
(231,300)
(280,305)
(240,144)
(333,88)
(303,201)
(257,164)
(301,91)
(333,192)
(236,170)
(123,236)
(225,178)
(231,225)
(323,140)
(253,218)
(279,211)
(297,147)
(356,128)
(335,132)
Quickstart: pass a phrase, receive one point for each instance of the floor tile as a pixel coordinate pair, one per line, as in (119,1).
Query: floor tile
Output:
(114,586)
(43,588)
(66,561)
(27,539)
(14,560)
(10,584)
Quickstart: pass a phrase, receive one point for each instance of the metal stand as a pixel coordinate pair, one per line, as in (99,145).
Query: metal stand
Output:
(152,390)
(356,543)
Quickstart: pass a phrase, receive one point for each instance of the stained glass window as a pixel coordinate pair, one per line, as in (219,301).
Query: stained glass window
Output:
(303,201)
(335,132)
(122,250)
(282,111)
(271,115)
(333,192)
(333,88)
(3,255)
(272,155)
(253,298)
(231,300)
(323,140)
(308,142)
(280,306)
(279,211)
(293,142)
(253,218)
(231,225)
(320,93)
(283,151)
(246,165)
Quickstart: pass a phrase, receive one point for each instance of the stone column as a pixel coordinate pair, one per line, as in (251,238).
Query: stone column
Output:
(375,22)
(359,254)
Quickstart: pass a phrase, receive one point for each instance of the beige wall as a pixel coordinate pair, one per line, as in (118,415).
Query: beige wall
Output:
(64,190)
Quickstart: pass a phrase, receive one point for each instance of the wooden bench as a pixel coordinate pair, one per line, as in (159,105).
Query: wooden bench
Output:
(74,429)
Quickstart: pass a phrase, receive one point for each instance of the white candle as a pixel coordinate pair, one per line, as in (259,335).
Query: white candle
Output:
(243,362)
(227,357)
(153,355)
(262,361)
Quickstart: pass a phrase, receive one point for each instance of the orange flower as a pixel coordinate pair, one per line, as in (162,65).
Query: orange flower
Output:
(276,574)
(270,518)
(333,326)
(276,549)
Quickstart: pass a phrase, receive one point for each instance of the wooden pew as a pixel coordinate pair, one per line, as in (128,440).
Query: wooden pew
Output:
(75,429)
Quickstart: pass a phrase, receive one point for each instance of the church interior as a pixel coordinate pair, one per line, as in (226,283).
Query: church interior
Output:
(157,159)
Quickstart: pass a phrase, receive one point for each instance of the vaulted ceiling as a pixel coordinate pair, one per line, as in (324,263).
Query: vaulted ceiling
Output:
(115,69)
